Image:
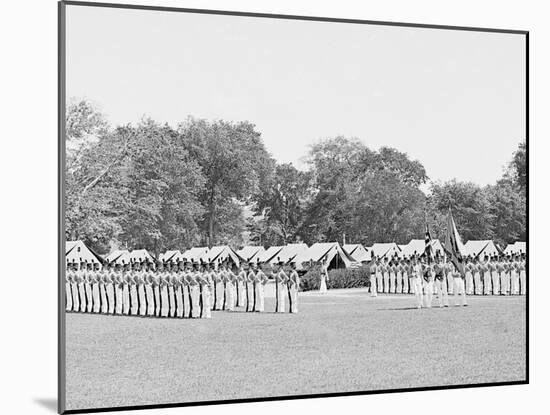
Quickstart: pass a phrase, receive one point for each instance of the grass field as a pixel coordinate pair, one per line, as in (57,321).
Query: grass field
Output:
(339,342)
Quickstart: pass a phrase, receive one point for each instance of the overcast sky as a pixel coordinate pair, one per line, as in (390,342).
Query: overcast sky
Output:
(453,100)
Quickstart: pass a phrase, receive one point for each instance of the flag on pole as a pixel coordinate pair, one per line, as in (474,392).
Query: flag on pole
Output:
(428,243)
(453,245)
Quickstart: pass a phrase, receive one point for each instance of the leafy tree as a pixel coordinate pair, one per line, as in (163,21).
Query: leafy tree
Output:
(369,196)
(282,204)
(470,206)
(85,125)
(234,162)
(509,210)
(517,169)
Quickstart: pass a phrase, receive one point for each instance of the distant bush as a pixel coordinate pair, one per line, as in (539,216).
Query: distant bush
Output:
(338,278)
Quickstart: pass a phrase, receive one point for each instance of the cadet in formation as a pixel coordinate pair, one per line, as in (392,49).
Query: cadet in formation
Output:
(183,289)
(497,274)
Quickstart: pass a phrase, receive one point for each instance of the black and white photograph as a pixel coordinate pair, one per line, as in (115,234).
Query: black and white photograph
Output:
(263,207)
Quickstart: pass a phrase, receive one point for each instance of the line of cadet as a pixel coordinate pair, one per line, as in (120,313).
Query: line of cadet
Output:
(489,275)
(179,290)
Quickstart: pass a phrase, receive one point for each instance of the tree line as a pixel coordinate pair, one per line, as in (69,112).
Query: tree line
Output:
(206,183)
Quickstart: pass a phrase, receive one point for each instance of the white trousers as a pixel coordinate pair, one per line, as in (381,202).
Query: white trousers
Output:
(428,293)
(386,282)
(523,282)
(373,285)
(459,289)
(281,294)
(487,283)
(294,299)
(399,283)
(496,282)
(469,283)
(449,283)
(514,280)
(379,282)
(393,281)
(441,292)
(504,283)
(68,296)
(416,287)
(229,296)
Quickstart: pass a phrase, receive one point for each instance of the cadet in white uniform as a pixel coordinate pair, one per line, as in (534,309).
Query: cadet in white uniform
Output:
(164,277)
(251,288)
(119,284)
(495,276)
(386,275)
(478,279)
(96,292)
(241,286)
(373,272)
(194,287)
(522,274)
(379,276)
(293,288)
(324,278)
(469,277)
(281,289)
(439,281)
(486,273)
(261,279)
(126,298)
(68,290)
(74,288)
(149,282)
(205,283)
(88,278)
(110,289)
(428,278)
(177,282)
(415,281)
(393,276)
(459,287)
(503,277)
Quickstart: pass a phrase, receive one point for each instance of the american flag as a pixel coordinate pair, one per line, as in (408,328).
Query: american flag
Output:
(428,243)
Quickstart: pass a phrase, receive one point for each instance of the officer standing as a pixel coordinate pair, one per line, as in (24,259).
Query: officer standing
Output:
(439,281)
(415,280)
(293,288)
(459,288)
(427,275)
(373,271)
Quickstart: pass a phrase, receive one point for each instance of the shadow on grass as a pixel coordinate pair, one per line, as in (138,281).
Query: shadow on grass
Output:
(48,403)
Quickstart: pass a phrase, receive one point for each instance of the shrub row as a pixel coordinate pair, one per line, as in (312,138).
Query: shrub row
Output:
(337,278)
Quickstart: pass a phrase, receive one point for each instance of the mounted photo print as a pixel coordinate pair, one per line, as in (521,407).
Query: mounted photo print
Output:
(262,207)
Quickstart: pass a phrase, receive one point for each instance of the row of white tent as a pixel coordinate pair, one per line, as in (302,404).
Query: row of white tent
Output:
(331,253)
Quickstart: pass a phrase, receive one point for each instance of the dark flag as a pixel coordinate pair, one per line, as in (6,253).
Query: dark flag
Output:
(453,245)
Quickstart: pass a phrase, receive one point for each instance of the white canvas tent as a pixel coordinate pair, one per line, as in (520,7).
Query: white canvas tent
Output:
(194,254)
(516,248)
(222,253)
(250,253)
(118,255)
(331,253)
(173,256)
(418,246)
(77,251)
(141,255)
(385,250)
(290,252)
(358,252)
(269,256)
(480,248)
